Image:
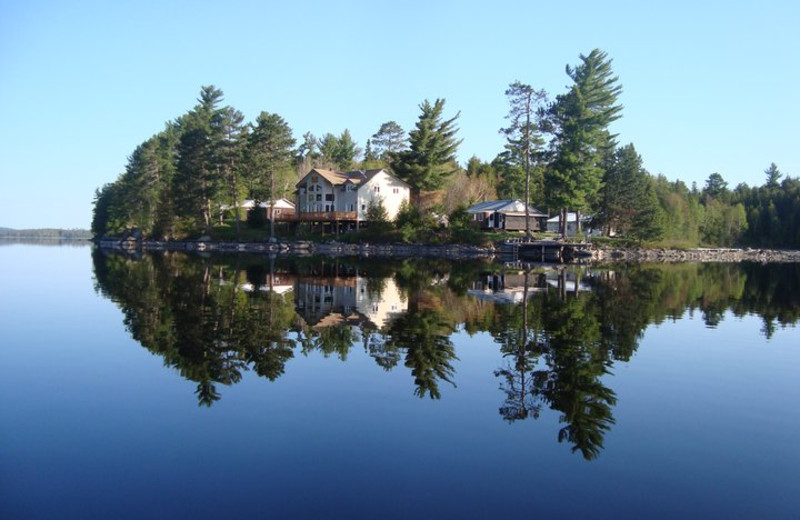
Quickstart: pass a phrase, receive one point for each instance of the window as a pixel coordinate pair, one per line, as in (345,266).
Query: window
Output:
(329,196)
(310,197)
(377,189)
(395,190)
(313,179)
(363,207)
(319,197)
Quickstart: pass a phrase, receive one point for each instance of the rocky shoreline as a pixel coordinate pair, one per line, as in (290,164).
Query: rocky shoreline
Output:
(696,255)
(333,248)
(303,248)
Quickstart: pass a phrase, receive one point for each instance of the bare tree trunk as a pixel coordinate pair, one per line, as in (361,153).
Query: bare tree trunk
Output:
(235,204)
(272,206)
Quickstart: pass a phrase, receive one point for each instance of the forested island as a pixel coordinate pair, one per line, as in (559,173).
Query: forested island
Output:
(559,155)
(45,234)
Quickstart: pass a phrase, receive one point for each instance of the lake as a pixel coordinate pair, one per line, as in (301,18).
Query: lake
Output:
(177,386)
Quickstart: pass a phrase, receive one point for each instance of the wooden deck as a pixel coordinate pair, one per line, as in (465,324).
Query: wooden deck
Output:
(326,216)
(546,250)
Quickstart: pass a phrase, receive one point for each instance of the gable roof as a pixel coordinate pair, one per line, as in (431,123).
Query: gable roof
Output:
(506,206)
(356,177)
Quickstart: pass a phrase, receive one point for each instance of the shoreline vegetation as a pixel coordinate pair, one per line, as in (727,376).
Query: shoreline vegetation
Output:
(45,234)
(599,253)
(560,155)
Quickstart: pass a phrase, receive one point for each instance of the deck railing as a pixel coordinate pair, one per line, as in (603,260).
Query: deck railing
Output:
(319,216)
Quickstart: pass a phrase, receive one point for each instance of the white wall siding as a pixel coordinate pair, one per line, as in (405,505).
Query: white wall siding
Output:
(389,190)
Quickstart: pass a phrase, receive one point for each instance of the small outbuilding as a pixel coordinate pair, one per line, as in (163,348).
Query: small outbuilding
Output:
(508,215)
(572,225)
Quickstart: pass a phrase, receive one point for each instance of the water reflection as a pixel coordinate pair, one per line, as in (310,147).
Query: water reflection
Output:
(559,331)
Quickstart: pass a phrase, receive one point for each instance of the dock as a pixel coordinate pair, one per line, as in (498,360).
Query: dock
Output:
(553,251)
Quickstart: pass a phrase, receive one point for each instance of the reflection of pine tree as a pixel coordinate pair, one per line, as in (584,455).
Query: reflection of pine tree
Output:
(261,333)
(206,393)
(336,339)
(576,362)
(425,337)
(517,333)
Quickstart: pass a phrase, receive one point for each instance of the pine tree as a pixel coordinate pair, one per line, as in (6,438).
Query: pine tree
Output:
(430,157)
(234,133)
(269,151)
(197,180)
(628,203)
(390,138)
(580,121)
(524,140)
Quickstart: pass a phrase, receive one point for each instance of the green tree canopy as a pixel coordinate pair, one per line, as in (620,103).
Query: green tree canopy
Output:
(432,150)
(580,120)
(524,140)
(390,138)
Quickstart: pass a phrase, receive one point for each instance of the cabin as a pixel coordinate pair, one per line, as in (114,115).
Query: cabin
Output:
(508,215)
(335,196)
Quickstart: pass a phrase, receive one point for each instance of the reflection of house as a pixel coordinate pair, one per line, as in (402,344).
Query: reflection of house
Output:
(327,195)
(279,284)
(507,214)
(569,281)
(382,306)
(572,225)
(507,287)
(284,209)
(323,302)
(510,287)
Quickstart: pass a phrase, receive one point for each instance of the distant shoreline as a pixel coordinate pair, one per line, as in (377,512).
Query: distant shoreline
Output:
(45,234)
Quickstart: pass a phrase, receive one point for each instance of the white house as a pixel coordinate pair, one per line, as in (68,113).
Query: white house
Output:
(328,195)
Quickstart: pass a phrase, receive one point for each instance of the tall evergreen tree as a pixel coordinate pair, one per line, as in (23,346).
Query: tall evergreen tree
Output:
(347,151)
(773,176)
(338,152)
(431,155)
(628,204)
(524,138)
(269,151)
(197,180)
(234,133)
(581,118)
(390,138)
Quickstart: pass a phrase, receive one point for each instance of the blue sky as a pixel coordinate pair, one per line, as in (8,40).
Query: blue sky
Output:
(708,86)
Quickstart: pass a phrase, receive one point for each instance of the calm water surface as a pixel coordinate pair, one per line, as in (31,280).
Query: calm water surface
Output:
(170,386)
